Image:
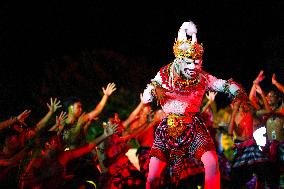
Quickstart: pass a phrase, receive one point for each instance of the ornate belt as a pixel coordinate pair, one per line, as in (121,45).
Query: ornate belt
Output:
(177,124)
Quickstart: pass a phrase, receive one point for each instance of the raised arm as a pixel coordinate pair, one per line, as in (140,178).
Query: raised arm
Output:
(263,96)
(69,155)
(14,160)
(20,119)
(53,106)
(153,90)
(279,86)
(134,113)
(252,95)
(158,116)
(230,87)
(210,99)
(98,109)
(60,120)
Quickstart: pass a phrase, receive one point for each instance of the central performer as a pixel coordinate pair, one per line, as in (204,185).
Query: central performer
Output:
(179,88)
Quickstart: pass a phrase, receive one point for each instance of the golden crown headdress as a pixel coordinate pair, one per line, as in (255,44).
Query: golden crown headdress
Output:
(187,48)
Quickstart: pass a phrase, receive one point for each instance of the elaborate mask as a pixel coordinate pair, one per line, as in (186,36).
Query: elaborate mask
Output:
(188,52)
(188,68)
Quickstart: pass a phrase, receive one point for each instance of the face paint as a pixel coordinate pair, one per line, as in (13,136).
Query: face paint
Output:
(189,68)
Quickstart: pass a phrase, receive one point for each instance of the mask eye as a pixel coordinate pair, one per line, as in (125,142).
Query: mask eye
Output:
(196,62)
(189,62)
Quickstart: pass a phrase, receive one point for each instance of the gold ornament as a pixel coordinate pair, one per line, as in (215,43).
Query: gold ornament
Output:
(193,51)
(175,125)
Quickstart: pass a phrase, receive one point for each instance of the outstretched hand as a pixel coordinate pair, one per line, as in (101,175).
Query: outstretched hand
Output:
(54,105)
(258,89)
(61,118)
(259,78)
(211,96)
(110,129)
(60,121)
(273,79)
(22,116)
(109,89)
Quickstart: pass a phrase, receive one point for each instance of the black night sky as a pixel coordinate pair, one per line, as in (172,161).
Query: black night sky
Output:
(240,38)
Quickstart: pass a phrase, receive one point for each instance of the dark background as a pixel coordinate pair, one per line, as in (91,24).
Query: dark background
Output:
(63,48)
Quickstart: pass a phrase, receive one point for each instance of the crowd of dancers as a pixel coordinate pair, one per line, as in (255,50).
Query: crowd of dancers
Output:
(184,142)
(59,155)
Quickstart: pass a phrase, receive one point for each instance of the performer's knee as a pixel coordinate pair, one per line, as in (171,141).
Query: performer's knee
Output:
(156,167)
(210,161)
